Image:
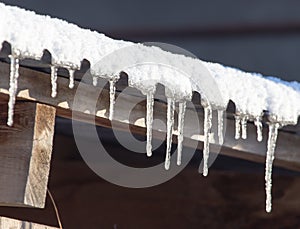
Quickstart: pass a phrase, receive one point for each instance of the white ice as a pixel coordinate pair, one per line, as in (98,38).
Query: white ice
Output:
(170,124)
(13,87)
(220,126)
(71,78)
(112,97)
(237,126)
(207,130)
(54,81)
(273,132)
(259,127)
(149,122)
(181,113)
(244,126)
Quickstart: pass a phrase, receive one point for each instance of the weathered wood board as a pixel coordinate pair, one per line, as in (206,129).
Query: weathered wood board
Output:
(7,223)
(25,154)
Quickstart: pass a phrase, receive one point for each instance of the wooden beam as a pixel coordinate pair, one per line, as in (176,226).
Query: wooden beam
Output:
(25,154)
(35,86)
(8,223)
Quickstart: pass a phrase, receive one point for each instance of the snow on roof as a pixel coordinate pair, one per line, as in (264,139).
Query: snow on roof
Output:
(30,35)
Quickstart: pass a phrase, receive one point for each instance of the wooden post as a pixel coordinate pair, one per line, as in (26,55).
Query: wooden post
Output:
(25,154)
(7,223)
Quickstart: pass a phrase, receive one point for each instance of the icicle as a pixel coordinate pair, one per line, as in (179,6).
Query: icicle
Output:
(13,87)
(112,94)
(181,112)
(53,81)
(237,126)
(259,127)
(71,78)
(170,123)
(207,129)
(273,132)
(244,126)
(150,104)
(95,81)
(220,126)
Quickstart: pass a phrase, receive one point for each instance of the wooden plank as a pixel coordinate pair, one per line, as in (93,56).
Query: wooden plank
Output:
(25,154)
(35,86)
(8,223)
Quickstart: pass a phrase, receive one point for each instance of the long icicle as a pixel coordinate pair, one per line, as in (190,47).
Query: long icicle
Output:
(71,78)
(112,95)
(207,129)
(220,126)
(181,113)
(259,127)
(13,87)
(149,118)
(170,124)
(244,126)
(237,126)
(273,132)
(54,81)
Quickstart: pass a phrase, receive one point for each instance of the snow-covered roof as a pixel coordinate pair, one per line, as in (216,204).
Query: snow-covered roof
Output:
(30,35)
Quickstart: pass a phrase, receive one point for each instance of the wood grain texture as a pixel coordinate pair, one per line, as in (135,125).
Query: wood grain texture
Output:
(25,154)
(7,223)
(35,86)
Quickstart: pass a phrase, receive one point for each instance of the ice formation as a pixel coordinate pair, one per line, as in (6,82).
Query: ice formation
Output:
(251,93)
(207,129)
(170,124)
(149,122)
(181,113)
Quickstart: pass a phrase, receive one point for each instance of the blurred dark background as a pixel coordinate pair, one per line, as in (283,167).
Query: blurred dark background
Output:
(258,35)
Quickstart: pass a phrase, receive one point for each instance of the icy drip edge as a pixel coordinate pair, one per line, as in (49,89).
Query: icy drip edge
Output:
(181,113)
(244,126)
(149,117)
(237,126)
(259,127)
(170,124)
(13,87)
(207,129)
(220,126)
(272,138)
(53,81)
(71,78)
(112,95)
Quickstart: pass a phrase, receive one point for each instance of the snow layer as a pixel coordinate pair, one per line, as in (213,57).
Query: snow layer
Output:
(30,34)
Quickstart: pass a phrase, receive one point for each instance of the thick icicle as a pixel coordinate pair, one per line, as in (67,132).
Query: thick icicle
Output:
(112,95)
(181,113)
(259,127)
(237,126)
(150,104)
(220,126)
(207,130)
(71,78)
(13,87)
(170,124)
(54,81)
(244,126)
(273,132)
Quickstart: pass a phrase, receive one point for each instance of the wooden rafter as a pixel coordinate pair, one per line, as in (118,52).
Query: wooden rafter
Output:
(35,86)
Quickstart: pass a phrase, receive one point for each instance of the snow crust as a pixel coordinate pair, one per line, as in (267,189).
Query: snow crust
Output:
(30,34)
